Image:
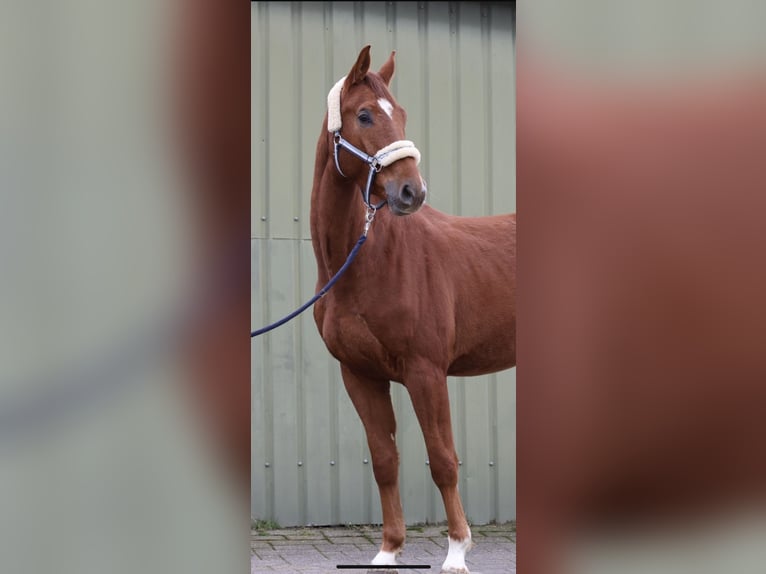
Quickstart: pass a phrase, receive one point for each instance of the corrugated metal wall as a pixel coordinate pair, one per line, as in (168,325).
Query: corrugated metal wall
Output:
(455,77)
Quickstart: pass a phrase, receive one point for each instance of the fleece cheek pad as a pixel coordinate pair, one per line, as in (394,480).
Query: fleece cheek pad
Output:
(333,106)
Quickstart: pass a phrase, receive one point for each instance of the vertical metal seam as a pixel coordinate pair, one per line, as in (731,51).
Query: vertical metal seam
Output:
(264,19)
(391,34)
(458,148)
(297,268)
(268,509)
(513,86)
(268,395)
(487,72)
(358,9)
(492,439)
(513,32)
(328,59)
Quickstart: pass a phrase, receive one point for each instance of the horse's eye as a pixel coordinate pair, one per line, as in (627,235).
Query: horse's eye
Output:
(365,118)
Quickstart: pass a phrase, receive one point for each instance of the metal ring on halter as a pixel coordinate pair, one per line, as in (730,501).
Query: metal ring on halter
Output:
(368,217)
(337,139)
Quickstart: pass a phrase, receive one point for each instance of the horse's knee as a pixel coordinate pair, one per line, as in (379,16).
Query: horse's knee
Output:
(444,469)
(385,466)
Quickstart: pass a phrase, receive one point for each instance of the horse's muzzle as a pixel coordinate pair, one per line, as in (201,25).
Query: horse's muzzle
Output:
(405,198)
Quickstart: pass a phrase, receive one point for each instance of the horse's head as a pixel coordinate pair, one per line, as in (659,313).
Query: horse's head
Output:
(368,117)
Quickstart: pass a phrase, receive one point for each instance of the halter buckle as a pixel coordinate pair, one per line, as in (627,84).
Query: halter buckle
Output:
(368,218)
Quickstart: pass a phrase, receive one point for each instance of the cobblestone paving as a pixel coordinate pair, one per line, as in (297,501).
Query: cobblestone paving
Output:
(319,550)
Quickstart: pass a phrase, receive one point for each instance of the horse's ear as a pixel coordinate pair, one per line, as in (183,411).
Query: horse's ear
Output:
(359,69)
(387,70)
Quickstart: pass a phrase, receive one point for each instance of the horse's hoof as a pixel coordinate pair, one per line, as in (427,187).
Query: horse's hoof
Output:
(384,558)
(455,571)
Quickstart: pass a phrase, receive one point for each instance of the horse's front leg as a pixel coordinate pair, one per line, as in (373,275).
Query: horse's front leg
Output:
(372,399)
(427,385)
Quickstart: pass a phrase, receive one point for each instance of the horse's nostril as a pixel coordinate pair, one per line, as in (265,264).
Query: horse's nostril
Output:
(407,196)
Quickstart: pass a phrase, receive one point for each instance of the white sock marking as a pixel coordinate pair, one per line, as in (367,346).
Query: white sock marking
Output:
(386,107)
(455,562)
(384,558)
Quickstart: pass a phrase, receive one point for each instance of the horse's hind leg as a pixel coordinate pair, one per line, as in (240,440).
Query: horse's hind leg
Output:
(427,386)
(372,399)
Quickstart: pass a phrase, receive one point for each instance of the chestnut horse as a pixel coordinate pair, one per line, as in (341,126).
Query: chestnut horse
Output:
(430,294)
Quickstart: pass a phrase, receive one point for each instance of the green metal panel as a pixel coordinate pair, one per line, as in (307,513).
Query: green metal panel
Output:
(283,376)
(505,439)
(283,134)
(260,411)
(311,85)
(502,117)
(259,148)
(455,76)
(471,124)
(378,27)
(409,77)
(320,376)
(441,163)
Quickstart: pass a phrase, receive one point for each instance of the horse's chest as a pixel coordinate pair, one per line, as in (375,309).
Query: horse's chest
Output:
(352,341)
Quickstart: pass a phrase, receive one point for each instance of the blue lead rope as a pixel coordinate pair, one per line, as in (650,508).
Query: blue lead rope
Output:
(319,295)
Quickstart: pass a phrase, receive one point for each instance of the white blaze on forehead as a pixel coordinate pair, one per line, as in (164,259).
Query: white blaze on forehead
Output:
(386,106)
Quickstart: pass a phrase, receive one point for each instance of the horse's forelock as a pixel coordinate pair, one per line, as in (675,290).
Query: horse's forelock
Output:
(378,86)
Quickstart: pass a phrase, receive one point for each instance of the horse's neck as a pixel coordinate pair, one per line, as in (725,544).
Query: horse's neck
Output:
(337,217)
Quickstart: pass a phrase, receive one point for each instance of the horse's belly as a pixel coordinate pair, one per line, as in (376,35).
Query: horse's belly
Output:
(498,356)
(486,343)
